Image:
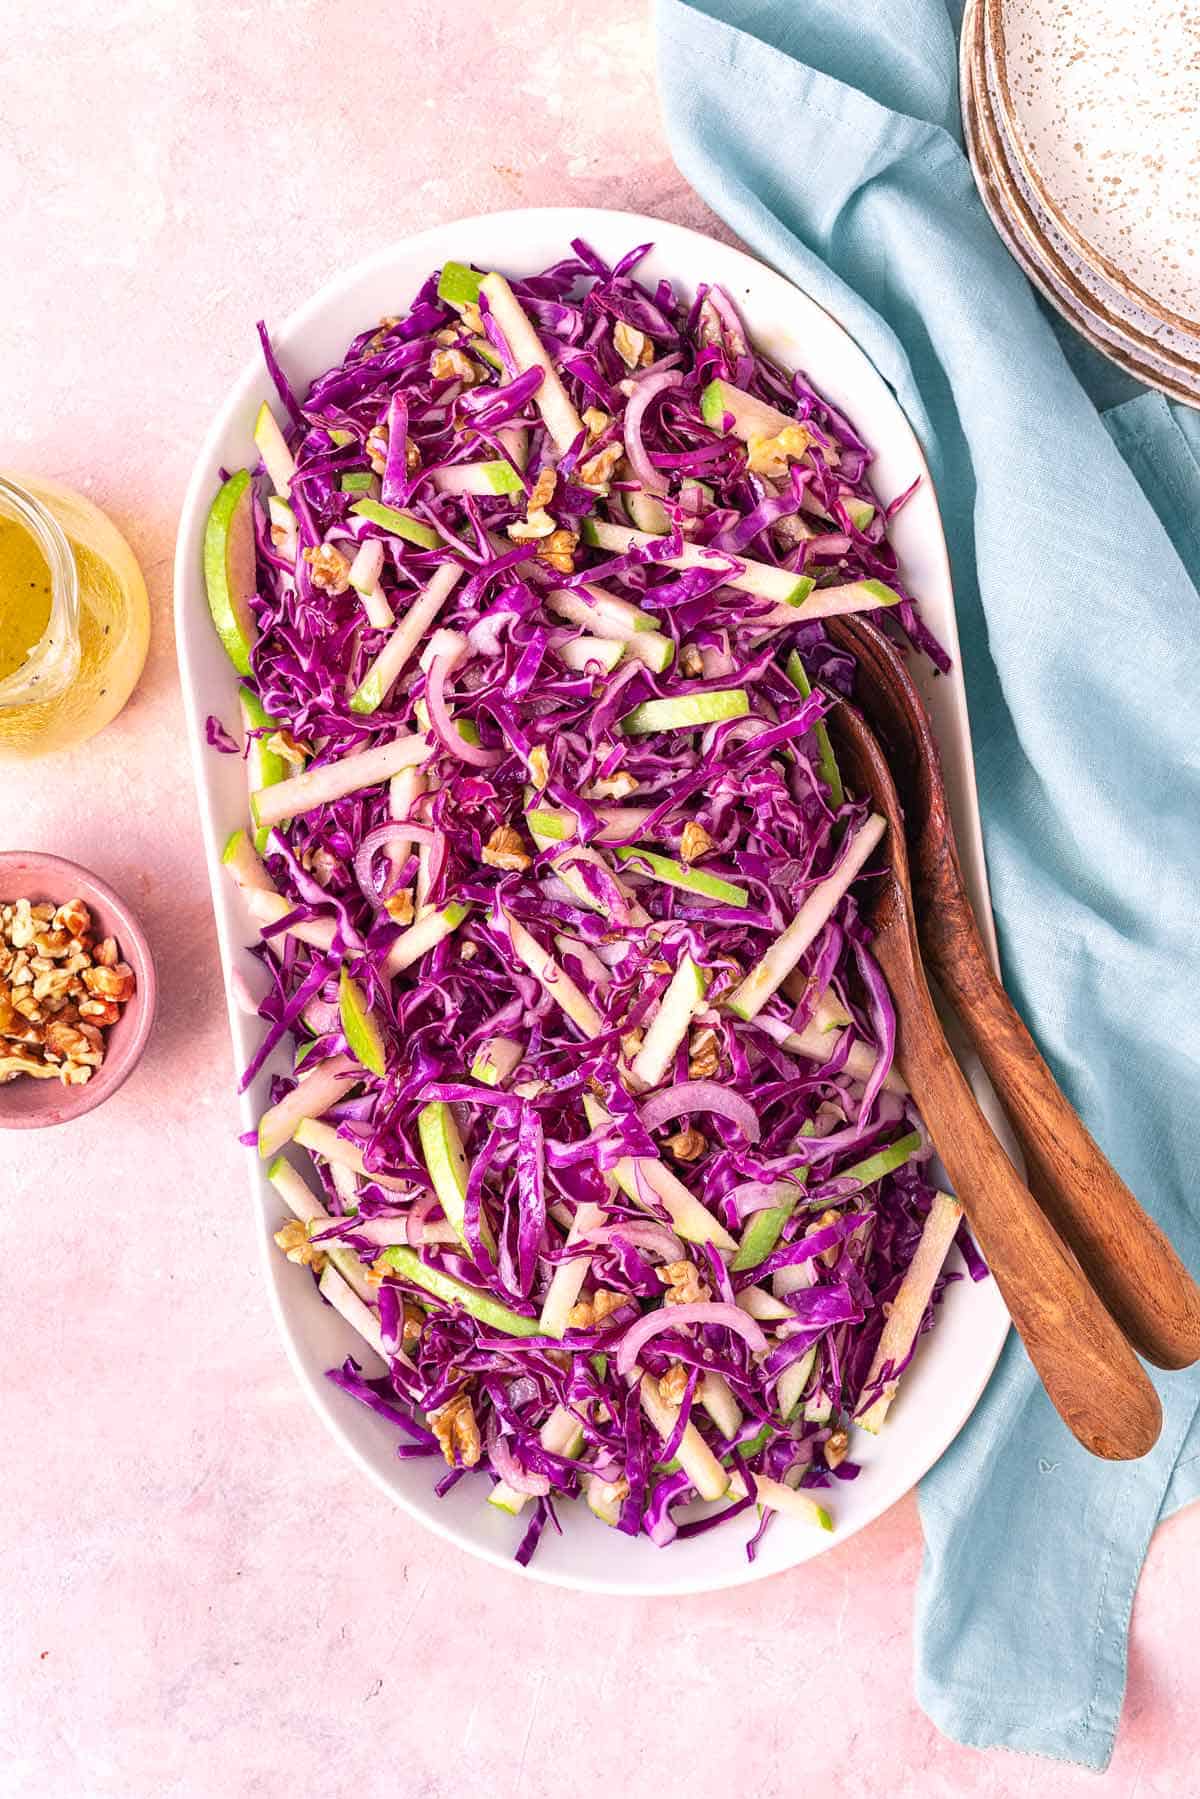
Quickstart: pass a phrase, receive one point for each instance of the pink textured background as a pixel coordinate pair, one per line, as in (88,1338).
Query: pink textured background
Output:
(197,1596)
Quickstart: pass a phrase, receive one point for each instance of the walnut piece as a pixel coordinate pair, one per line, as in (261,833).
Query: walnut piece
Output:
(595,1309)
(539,765)
(296,1244)
(691,662)
(330,569)
(632,346)
(694,842)
(683,1283)
(543,490)
(399,906)
(377,447)
(770,455)
(454,365)
(704,1054)
(287,747)
(837,1445)
(673,1384)
(597,423)
(505,848)
(687,1146)
(534,527)
(559,550)
(597,471)
(454,1426)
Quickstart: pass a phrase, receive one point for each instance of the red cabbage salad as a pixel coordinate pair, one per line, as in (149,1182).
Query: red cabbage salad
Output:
(591,1131)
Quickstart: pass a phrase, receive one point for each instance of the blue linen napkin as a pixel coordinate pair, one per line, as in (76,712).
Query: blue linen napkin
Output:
(827,137)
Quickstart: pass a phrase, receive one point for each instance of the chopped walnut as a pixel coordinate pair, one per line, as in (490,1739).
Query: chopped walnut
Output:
(535,526)
(691,662)
(606,1494)
(53,944)
(377,447)
(828,1256)
(455,365)
(454,1426)
(296,1244)
(770,455)
(472,318)
(632,346)
(55,983)
(75,1074)
(99,1011)
(505,848)
(683,1283)
(414,1324)
(673,1384)
(613,787)
(694,842)
(16,1059)
(330,569)
(23,927)
(594,1310)
(108,983)
(559,551)
(837,1445)
(597,423)
(543,490)
(597,471)
(321,863)
(399,906)
(412,457)
(288,748)
(704,1054)
(539,765)
(658,966)
(687,1146)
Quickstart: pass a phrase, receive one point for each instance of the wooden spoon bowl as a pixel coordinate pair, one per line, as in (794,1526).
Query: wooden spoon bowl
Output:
(1125,1255)
(1094,1380)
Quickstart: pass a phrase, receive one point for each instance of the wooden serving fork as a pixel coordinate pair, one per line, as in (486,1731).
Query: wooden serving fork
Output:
(1125,1255)
(1094,1380)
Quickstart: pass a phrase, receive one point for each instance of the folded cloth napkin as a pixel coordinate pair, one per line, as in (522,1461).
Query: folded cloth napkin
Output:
(827,137)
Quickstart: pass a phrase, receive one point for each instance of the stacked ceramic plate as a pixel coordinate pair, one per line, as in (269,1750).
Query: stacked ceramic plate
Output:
(1083,128)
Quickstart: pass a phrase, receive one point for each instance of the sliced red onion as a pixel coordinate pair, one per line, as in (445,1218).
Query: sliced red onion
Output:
(674,1317)
(654,1237)
(647,389)
(701,1096)
(506,1465)
(759,1196)
(444,727)
(381,838)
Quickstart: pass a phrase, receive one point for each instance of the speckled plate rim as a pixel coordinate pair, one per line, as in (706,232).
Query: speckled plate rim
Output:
(954,1362)
(1074,307)
(1094,257)
(1096,295)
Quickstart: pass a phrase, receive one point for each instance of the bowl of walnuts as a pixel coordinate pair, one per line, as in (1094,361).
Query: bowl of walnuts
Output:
(77,990)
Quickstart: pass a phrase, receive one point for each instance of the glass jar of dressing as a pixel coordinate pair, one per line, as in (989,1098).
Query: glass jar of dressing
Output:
(74,618)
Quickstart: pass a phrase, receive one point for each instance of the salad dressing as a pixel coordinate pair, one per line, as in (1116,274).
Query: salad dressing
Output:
(24,595)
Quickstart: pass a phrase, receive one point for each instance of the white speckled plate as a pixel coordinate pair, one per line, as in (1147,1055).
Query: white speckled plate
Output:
(1101,101)
(954,1360)
(1146,348)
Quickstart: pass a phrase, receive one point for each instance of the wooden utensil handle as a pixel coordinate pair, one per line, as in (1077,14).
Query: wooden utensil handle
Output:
(1125,1255)
(1092,1376)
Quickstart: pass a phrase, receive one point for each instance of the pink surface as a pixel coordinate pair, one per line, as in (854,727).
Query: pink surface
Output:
(199,1596)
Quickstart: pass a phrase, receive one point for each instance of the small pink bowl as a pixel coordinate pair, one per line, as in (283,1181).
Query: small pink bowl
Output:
(27,1104)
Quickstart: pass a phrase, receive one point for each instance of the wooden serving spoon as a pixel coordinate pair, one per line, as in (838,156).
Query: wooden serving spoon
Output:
(1125,1255)
(1094,1380)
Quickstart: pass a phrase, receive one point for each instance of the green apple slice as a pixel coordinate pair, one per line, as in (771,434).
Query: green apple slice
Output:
(792,1382)
(910,1303)
(323,1140)
(748,1000)
(407,1264)
(496,477)
(558,984)
(458,285)
(423,936)
(241,859)
(587,654)
(397,523)
(446,1160)
(334,780)
(264,767)
(359,1025)
(683,998)
(230,574)
(827,766)
(599,611)
(562,1434)
(646,511)
(680,874)
(271,444)
(686,712)
(705,1472)
(283,519)
(392,659)
(525,346)
(762,1231)
(303,1204)
(716,1396)
(689,1218)
(313,1094)
(496,1060)
(788,1501)
(357,480)
(729,409)
(616,822)
(759,578)
(567,1280)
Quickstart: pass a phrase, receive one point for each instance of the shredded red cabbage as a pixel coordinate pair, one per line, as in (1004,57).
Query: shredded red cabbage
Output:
(524,710)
